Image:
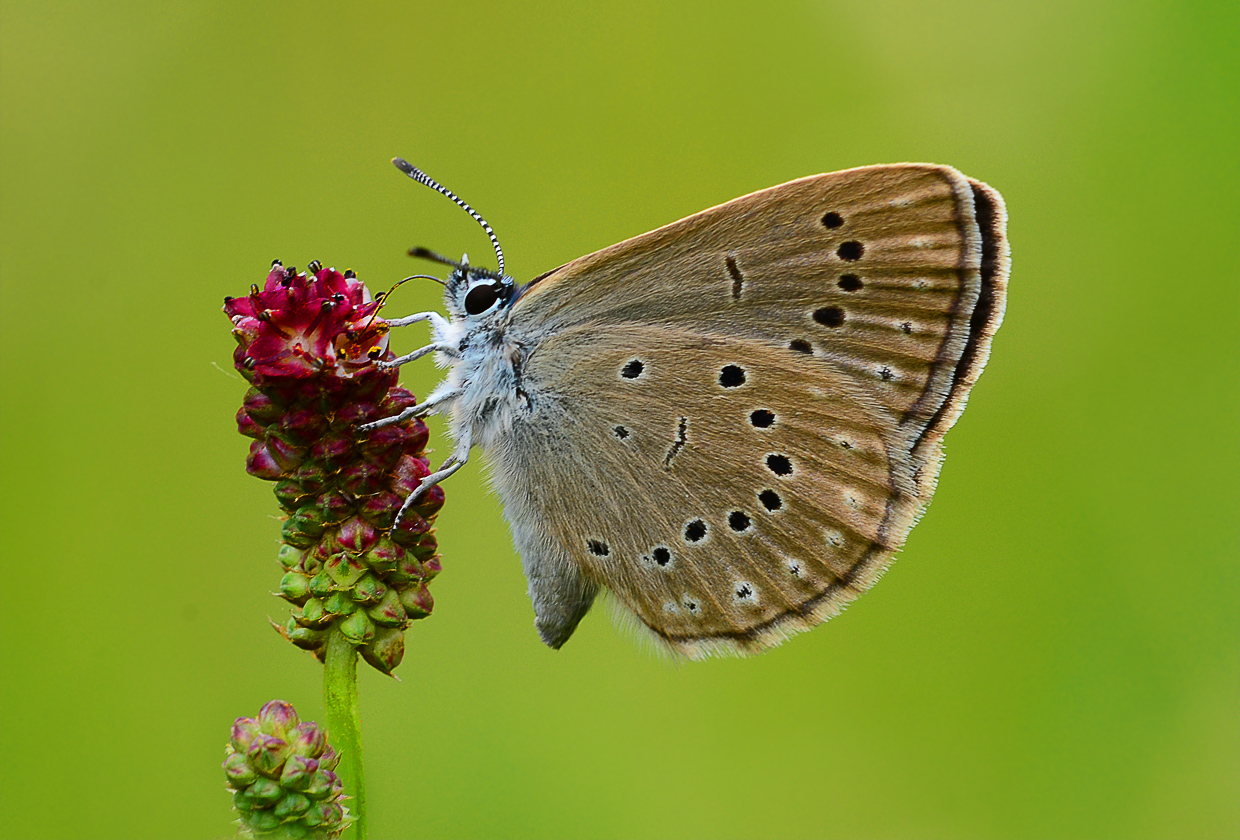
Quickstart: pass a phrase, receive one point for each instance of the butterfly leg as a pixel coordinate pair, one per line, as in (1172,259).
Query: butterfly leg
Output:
(439,326)
(458,459)
(433,402)
(419,353)
(438,322)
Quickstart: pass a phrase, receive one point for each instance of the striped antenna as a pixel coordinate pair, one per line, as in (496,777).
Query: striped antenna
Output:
(422,178)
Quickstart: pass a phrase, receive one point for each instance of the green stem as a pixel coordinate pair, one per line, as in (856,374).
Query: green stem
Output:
(343,725)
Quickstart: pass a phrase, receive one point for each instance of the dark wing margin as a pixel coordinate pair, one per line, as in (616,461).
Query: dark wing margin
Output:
(990,216)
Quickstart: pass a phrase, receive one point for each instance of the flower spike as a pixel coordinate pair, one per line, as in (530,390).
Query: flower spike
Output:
(308,344)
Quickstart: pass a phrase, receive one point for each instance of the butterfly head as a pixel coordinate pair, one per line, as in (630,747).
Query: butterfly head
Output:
(477,293)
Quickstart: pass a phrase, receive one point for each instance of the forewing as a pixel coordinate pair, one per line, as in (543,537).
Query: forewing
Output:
(853,311)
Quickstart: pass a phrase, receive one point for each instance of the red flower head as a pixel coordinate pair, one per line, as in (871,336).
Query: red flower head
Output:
(300,325)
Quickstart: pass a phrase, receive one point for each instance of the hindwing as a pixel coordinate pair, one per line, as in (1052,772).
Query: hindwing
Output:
(735,420)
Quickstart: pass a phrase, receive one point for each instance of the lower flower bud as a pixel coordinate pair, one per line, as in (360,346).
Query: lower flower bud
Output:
(288,791)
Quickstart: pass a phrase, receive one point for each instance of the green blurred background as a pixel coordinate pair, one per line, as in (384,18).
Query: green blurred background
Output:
(1056,655)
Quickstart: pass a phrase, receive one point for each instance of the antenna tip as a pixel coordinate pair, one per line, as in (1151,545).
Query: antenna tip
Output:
(403,165)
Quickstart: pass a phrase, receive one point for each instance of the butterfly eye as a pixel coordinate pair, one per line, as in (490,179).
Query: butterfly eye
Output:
(481,298)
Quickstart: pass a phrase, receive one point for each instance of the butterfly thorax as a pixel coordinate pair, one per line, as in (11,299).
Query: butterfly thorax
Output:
(486,358)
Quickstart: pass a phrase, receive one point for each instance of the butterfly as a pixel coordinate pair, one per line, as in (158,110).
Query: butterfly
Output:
(732,422)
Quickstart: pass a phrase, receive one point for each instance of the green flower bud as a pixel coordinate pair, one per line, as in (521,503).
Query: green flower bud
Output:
(238,771)
(244,731)
(345,570)
(321,584)
(292,534)
(267,754)
(339,603)
(264,792)
(303,797)
(289,494)
(386,650)
(368,589)
(329,759)
(388,612)
(295,588)
(289,556)
(306,638)
(313,614)
(358,628)
(384,557)
(357,535)
(324,785)
(278,718)
(430,567)
(335,507)
(308,522)
(417,601)
(298,772)
(308,740)
(324,814)
(291,805)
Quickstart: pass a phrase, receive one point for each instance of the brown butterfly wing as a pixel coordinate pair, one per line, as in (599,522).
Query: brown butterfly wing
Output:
(737,418)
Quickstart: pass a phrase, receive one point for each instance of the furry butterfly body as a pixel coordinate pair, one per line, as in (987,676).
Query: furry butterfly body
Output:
(731,422)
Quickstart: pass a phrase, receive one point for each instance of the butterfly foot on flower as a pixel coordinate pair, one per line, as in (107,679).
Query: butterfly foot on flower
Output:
(421,410)
(454,463)
(448,349)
